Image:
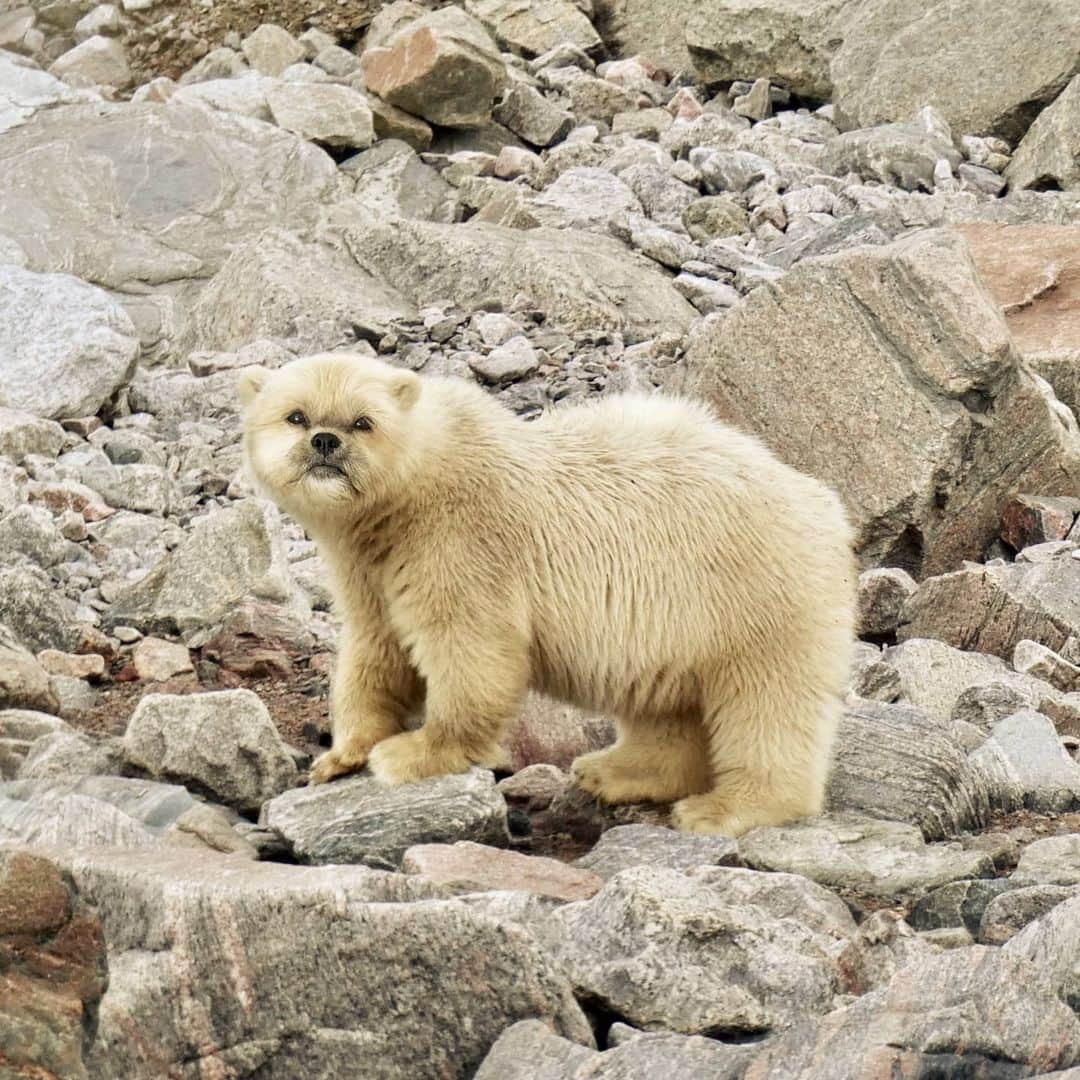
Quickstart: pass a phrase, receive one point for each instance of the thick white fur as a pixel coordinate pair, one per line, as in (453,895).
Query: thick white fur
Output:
(632,556)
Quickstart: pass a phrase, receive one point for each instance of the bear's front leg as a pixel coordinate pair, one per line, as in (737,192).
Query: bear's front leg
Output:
(475,685)
(374,690)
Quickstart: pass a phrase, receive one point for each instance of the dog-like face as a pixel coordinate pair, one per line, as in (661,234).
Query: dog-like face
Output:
(327,436)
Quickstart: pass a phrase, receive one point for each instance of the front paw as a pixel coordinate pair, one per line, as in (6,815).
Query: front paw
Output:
(335,763)
(408,757)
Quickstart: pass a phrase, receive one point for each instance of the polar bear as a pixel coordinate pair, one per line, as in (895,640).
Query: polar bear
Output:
(632,556)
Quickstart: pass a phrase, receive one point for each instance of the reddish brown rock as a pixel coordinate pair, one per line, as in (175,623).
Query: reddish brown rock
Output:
(551,733)
(469,867)
(1035,519)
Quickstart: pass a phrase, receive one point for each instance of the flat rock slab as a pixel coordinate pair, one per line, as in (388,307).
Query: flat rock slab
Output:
(470,867)
(877,858)
(626,846)
(722,950)
(357,820)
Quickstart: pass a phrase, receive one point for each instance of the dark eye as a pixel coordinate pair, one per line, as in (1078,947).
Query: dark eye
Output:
(296,417)
(362,423)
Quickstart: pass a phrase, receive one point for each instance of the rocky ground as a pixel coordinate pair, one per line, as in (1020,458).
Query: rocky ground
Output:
(853,225)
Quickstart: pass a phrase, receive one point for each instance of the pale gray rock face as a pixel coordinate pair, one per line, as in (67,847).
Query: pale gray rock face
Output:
(25,88)
(66,347)
(1051,944)
(627,846)
(923,339)
(584,199)
(123,194)
(1049,154)
(37,616)
(903,155)
(330,114)
(228,555)
(1006,915)
(63,754)
(70,821)
(222,744)
(1054,860)
(898,56)
(392,181)
(724,949)
(872,857)
(358,820)
(533,29)
(173,921)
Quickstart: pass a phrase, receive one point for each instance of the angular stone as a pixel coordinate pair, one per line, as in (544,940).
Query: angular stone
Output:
(270,49)
(470,867)
(991,609)
(156,660)
(901,155)
(534,787)
(706,295)
(1051,944)
(868,856)
(324,113)
(358,820)
(442,66)
(1054,860)
(786,41)
(974,1009)
(1006,915)
(628,846)
(959,903)
(897,57)
(66,348)
(222,744)
(724,950)
(302,295)
(579,281)
(63,754)
(1042,663)
(392,180)
(584,199)
(173,921)
(1048,157)
(512,360)
(715,216)
(36,615)
(942,364)
(98,61)
(71,820)
(882,945)
(533,28)
(22,433)
(900,764)
(227,556)
(881,599)
(94,190)
(1031,271)
(589,97)
(530,115)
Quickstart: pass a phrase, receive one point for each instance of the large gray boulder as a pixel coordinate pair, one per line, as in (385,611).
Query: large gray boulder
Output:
(717,950)
(987,69)
(25,88)
(1052,943)
(222,744)
(228,555)
(126,194)
(1049,154)
(580,281)
(357,819)
(822,362)
(534,28)
(65,346)
(284,971)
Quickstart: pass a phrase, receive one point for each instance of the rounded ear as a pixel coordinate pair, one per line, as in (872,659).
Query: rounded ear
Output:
(405,388)
(249,382)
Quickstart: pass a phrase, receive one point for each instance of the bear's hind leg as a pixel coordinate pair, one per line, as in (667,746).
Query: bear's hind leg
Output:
(770,758)
(651,761)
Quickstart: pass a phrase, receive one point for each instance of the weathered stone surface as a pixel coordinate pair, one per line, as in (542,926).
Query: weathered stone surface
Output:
(36,616)
(94,191)
(392,181)
(245,95)
(530,115)
(534,28)
(1032,272)
(898,763)
(584,199)
(54,969)
(305,296)
(724,949)
(902,155)
(959,903)
(786,41)
(324,113)
(172,921)
(1037,660)
(508,362)
(535,786)
(1054,860)
(1049,154)
(991,609)
(1034,519)
(881,599)
(98,61)
(869,856)
(69,821)
(66,347)
(223,744)
(359,820)
(25,88)
(1006,915)
(67,754)
(627,846)
(469,867)
(228,555)
(882,945)
(1051,944)
(924,340)
(579,281)
(22,433)
(968,1010)
(897,57)
(270,49)
(442,66)
(1024,750)
(24,683)
(19,729)
(156,660)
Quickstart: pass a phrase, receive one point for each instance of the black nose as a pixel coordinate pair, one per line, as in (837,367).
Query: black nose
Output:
(325,442)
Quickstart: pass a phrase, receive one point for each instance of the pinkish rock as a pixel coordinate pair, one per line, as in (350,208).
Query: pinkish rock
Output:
(156,660)
(89,666)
